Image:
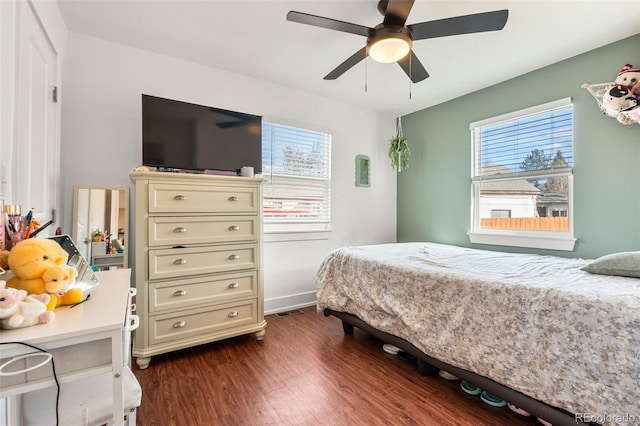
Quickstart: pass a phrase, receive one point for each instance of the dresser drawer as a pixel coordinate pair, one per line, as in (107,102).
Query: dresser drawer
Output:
(183,325)
(182,262)
(184,294)
(169,198)
(202,230)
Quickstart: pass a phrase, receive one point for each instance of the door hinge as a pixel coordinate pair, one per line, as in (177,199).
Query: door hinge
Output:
(55,94)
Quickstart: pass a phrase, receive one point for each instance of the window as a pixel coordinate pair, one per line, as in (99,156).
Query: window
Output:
(297,173)
(500,213)
(522,178)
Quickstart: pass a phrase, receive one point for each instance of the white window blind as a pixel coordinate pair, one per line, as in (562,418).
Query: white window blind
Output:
(297,173)
(526,143)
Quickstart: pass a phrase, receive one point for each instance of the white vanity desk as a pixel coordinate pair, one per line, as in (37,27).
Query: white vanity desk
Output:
(87,341)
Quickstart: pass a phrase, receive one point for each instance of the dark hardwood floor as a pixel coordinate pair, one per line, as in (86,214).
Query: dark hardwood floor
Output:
(305,372)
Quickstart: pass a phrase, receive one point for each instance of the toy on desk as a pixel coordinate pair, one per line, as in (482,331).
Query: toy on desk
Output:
(57,280)
(17,309)
(40,266)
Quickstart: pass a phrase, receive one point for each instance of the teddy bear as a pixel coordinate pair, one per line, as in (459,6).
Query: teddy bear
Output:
(18,309)
(628,77)
(622,100)
(56,282)
(40,266)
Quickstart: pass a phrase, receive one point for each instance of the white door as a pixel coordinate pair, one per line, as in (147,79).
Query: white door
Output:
(35,169)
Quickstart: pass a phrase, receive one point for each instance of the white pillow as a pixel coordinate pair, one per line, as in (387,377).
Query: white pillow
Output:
(623,264)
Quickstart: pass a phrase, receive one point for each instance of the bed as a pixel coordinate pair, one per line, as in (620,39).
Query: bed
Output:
(537,331)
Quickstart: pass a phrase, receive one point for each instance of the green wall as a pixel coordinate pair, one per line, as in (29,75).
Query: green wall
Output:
(434,194)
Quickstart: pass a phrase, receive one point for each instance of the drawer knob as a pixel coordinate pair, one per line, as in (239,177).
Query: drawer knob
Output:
(233,198)
(179,324)
(179,230)
(179,198)
(234,257)
(232,314)
(234,228)
(233,285)
(178,293)
(180,261)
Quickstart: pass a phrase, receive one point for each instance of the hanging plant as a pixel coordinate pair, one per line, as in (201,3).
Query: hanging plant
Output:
(399,149)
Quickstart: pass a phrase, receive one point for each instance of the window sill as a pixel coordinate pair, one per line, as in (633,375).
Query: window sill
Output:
(289,236)
(537,241)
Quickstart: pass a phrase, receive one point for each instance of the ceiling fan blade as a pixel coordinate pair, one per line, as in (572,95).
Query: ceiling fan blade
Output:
(346,65)
(332,24)
(397,11)
(413,68)
(476,23)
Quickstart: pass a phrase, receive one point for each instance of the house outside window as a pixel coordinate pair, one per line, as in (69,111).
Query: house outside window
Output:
(500,213)
(523,165)
(297,179)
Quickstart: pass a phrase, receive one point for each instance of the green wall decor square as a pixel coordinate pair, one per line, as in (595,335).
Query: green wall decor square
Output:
(363,171)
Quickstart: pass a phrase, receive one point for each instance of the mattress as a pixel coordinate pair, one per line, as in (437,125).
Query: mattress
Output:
(537,324)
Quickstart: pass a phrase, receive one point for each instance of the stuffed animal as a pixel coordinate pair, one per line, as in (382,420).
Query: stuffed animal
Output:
(629,104)
(17,309)
(30,261)
(56,282)
(628,76)
(620,103)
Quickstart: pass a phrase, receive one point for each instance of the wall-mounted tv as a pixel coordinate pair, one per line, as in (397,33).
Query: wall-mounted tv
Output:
(181,135)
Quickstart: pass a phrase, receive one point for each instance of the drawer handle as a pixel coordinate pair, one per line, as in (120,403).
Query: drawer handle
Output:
(180,261)
(233,198)
(232,314)
(179,324)
(234,257)
(233,285)
(234,228)
(179,230)
(178,293)
(179,198)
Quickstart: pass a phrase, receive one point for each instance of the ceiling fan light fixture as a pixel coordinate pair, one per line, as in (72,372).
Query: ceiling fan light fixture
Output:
(388,44)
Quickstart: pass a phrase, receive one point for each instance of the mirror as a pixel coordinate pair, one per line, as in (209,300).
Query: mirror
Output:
(100,219)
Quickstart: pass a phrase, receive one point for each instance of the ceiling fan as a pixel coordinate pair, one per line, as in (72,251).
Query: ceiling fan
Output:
(391,41)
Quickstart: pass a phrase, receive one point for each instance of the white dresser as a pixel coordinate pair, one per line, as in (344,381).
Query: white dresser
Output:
(198,260)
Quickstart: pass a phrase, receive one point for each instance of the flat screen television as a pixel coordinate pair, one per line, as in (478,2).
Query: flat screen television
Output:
(181,135)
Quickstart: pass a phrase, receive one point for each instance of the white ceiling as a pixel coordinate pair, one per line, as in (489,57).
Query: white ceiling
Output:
(253,38)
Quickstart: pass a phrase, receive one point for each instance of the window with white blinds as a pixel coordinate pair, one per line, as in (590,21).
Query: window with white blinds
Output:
(297,172)
(533,142)
(522,164)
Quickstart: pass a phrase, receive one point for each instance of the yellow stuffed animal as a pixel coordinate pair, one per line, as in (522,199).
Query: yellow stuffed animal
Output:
(40,266)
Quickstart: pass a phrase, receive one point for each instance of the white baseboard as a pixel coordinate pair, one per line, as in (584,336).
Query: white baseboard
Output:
(287,303)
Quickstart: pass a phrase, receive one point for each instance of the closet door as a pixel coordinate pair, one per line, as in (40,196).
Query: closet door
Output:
(35,171)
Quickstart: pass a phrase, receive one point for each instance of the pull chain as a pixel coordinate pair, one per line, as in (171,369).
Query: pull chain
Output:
(410,74)
(366,73)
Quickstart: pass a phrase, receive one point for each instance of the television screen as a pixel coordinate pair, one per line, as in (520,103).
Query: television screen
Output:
(180,135)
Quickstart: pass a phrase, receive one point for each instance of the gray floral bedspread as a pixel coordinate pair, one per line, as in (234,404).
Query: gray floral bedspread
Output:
(537,324)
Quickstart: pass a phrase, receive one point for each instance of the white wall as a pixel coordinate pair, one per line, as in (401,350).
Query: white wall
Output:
(102,130)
